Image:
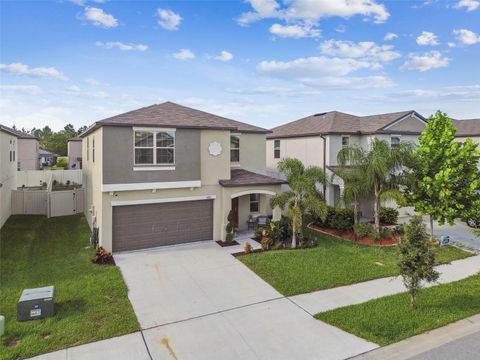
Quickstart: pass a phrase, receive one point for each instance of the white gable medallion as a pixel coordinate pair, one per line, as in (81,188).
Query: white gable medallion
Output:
(215,148)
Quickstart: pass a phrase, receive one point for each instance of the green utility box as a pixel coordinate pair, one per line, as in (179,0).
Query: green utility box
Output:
(36,303)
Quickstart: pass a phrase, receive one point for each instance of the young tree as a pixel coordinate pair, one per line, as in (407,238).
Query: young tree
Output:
(379,168)
(417,261)
(445,177)
(303,195)
(229,228)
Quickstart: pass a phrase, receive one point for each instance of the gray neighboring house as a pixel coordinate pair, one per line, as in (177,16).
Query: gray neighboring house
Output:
(8,170)
(27,156)
(47,158)
(317,140)
(74,149)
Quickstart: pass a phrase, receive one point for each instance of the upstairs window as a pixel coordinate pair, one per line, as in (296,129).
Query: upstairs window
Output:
(234,148)
(93,148)
(154,147)
(88,148)
(254,202)
(276,149)
(345,141)
(394,141)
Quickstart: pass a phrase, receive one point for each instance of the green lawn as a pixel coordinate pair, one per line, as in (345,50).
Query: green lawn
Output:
(332,263)
(91,300)
(391,319)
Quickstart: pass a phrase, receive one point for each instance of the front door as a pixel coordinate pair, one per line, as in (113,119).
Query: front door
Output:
(235,211)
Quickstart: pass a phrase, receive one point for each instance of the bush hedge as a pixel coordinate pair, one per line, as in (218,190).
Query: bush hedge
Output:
(388,215)
(337,218)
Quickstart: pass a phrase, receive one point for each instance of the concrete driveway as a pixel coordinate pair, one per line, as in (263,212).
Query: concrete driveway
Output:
(460,233)
(196,301)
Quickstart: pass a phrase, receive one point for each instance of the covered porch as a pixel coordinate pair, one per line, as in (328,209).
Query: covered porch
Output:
(247,195)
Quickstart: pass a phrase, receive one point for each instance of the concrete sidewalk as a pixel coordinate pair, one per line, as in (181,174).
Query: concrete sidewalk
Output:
(324,300)
(430,345)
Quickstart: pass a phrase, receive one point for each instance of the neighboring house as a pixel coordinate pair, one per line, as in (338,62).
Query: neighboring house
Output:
(27,156)
(74,147)
(8,170)
(168,174)
(317,140)
(468,129)
(47,158)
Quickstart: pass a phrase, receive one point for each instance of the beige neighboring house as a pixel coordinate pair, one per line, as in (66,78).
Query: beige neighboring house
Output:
(168,174)
(317,140)
(468,129)
(8,170)
(27,156)
(74,152)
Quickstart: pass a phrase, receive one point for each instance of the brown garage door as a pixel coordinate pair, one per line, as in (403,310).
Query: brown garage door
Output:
(151,225)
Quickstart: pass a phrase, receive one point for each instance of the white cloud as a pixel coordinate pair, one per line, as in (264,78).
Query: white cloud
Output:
(122,46)
(100,94)
(92,81)
(295,31)
(457,92)
(424,62)
(341,29)
(324,71)
(312,11)
(184,54)
(390,36)
(466,37)
(74,88)
(28,89)
(39,72)
(470,5)
(168,20)
(427,38)
(100,18)
(224,56)
(364,49)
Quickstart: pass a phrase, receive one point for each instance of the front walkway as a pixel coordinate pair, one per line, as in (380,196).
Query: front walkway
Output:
(324,300)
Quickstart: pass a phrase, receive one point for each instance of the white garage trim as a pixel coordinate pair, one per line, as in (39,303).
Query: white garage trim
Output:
(248,192)
(163,200)
(150,186)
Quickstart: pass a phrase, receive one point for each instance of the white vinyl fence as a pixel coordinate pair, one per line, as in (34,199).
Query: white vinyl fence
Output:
(45,202)
(29,178)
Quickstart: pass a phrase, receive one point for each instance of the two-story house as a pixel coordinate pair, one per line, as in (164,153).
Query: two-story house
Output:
(8,170)
(74,152)
(317,140)
(168,174)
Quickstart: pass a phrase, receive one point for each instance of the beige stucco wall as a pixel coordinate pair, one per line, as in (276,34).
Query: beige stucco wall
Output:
(408,124)
(28,154)
(253,152)
(92,179)
(8,174)
(309,150)
(74,149)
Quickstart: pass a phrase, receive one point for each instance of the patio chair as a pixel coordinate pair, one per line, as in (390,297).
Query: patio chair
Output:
(262,221)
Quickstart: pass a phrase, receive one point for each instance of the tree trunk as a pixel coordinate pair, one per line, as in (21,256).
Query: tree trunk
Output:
(431,228)
(376,207)
(294,236)
(413,299)
(355,212)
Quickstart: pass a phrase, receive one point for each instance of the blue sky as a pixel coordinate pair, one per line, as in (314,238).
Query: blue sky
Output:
(265,62)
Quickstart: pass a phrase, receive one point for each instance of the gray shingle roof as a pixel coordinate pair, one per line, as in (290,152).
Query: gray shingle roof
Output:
(169,114)
(335,122)
(470,127)
(241,177)
(19,134)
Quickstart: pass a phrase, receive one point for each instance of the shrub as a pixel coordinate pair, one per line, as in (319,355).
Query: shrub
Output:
(363,229)
(279,231)
(62,162)
(308,241)
(266,242)
(388,215)
(229,228)
(337,218)
(103,257)
(386,232)
(247,248)
(258,233)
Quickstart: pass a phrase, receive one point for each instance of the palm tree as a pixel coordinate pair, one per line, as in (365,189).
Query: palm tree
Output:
(303,195)
(355,188)
(380,167)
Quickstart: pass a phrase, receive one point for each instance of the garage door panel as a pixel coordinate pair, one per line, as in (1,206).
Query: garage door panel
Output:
(151,225)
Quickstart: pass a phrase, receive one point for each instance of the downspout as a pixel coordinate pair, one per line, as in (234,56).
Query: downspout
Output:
(324,166)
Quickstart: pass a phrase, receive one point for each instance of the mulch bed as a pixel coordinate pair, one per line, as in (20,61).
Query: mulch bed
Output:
(241,253)
(350,236)
(225,244)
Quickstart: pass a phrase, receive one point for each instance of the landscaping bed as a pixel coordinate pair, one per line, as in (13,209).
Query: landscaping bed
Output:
(333,262)
(91,300)
(392,240)
(391,319)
